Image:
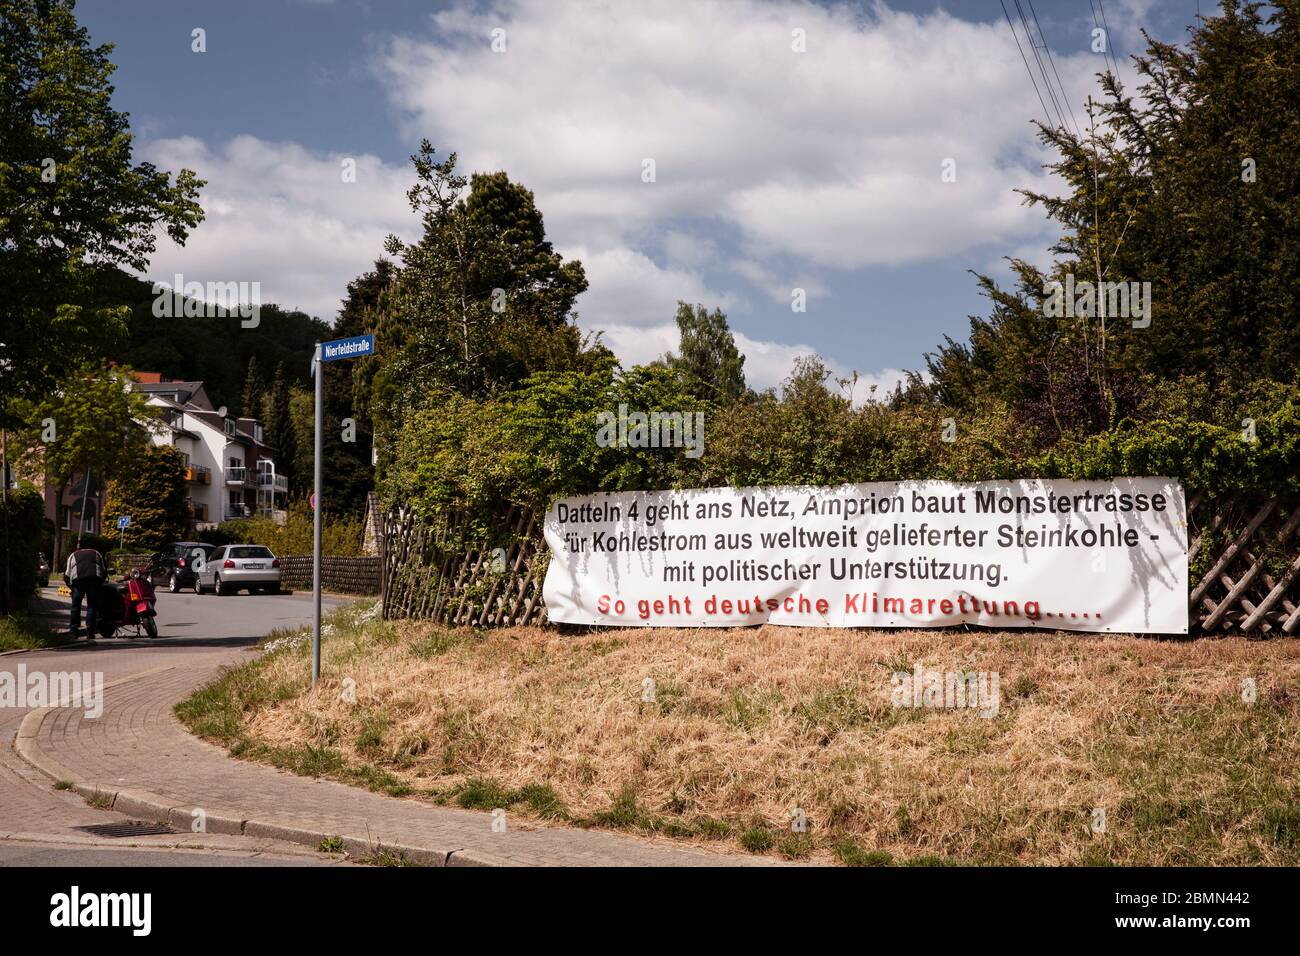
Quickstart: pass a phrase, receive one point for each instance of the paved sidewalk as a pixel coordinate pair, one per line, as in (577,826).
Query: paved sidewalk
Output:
(139,757)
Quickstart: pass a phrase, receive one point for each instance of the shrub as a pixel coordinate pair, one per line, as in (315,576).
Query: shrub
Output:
(26,529)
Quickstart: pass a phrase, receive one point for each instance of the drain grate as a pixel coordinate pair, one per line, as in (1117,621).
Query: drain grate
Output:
(131,828)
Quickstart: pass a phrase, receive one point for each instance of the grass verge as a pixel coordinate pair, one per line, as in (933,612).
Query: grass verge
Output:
(1103,750)
(25,630)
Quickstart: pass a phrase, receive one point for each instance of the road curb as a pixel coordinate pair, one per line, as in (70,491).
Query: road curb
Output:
(154,808)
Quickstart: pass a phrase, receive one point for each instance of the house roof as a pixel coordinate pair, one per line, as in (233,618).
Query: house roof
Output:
(186,393)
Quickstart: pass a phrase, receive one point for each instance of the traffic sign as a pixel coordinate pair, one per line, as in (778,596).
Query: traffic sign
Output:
(359,346)
(123,522)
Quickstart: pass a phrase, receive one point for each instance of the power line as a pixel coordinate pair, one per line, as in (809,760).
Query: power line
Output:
(1112,65)
(1046,112)
(1051,93)
(1052,60)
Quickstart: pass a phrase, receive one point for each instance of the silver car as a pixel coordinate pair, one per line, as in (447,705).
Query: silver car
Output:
(237,567)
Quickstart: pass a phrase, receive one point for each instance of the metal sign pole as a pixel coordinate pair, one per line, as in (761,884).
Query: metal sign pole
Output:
(318,372)
(355,347)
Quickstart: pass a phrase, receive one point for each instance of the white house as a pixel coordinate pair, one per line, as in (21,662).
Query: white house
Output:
(230,470)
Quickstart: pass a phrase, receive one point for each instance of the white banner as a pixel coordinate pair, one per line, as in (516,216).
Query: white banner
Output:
(1077,555)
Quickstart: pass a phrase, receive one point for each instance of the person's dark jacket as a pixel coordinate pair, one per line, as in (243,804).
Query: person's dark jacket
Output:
(85,563)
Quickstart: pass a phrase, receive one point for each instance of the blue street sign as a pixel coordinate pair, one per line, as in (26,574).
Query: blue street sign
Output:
(123,522)
(358,346)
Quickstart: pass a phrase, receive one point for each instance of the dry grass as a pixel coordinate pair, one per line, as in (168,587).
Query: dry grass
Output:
(748,724)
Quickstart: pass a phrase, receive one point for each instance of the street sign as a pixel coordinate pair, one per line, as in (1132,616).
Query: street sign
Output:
(359,346)
(123,522)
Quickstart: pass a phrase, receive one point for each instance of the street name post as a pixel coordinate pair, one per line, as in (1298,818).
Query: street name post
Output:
(358,346)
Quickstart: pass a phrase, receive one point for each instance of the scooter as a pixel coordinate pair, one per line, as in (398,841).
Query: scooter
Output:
(130,604)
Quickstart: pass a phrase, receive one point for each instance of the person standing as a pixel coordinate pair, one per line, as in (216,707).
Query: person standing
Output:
(86,571)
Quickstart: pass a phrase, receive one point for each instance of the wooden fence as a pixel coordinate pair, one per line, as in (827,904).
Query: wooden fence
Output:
(1245,557)
(1243,552)
(458,573)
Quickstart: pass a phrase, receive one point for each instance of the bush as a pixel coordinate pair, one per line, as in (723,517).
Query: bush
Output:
(26,530)
(538,442)
(340,535)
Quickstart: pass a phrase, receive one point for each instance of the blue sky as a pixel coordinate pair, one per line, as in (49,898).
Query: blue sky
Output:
(775,168)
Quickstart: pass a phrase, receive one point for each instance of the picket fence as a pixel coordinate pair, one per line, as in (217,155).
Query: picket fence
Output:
(1244,556)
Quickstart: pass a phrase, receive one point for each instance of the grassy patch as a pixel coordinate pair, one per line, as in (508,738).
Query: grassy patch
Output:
(850,854)
(26,630)
(742,725)
(331,844)
(63,785)
(757,840)
(387,858)
(438,642)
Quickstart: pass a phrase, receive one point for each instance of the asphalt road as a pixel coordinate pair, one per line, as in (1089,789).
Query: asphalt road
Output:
(236,619)
(41,826)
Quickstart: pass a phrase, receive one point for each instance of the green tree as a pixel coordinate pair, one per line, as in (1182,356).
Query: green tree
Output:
(97,422)
(250,402)
(708,359)
(72,202)
(483,299)
(1188,183)
(150,488)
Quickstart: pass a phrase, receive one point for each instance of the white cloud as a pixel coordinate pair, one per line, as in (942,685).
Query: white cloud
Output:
(809,162)
(627,288)
(832,155)
(806,162)
(281,215)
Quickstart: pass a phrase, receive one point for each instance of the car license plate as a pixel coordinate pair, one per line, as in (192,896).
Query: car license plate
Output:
(253,565)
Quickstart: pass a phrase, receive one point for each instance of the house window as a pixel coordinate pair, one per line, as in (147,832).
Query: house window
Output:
(257,433)
(230,427)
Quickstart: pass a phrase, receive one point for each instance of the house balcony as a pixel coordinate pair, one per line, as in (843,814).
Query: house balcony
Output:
(278,515)
(278,484)
(198,475)
(233,511)
(236,475)
(197,511)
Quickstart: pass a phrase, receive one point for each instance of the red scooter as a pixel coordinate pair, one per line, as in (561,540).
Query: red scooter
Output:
(130,604)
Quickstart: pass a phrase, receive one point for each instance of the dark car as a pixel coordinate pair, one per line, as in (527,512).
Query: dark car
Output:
(174,566)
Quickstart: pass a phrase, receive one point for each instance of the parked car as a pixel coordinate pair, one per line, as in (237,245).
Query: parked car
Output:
(42,570)
(174,566)
(239,567)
